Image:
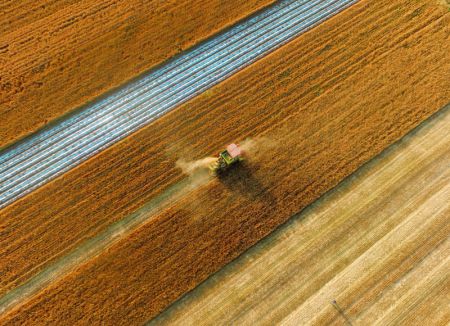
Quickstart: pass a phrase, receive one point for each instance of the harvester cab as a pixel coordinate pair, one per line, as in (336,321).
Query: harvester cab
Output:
(228,158)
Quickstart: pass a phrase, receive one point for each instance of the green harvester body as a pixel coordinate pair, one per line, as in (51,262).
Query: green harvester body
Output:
(226,159)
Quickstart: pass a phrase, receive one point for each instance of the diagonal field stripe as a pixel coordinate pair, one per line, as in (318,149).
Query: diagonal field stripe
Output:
(56,149)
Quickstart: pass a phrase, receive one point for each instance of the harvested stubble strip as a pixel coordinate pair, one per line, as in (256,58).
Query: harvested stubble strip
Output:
(57,55)
(331,100)
(364,244)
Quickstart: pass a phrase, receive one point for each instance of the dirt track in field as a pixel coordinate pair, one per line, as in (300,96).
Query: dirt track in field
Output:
(378,244)
(57,55)
(339,95)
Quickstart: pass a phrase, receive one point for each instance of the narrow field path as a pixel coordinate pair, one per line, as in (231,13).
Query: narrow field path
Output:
(93,246)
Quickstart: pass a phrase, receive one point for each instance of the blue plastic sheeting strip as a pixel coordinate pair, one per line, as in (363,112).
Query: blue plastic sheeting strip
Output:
(55,150)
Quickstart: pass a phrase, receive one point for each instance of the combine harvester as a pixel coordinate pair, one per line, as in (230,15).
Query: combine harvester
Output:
(231,156)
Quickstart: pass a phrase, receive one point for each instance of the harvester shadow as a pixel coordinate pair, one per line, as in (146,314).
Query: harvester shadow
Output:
(241,180)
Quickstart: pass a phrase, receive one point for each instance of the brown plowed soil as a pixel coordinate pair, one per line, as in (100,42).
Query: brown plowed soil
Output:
(328,102)
(56,55)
